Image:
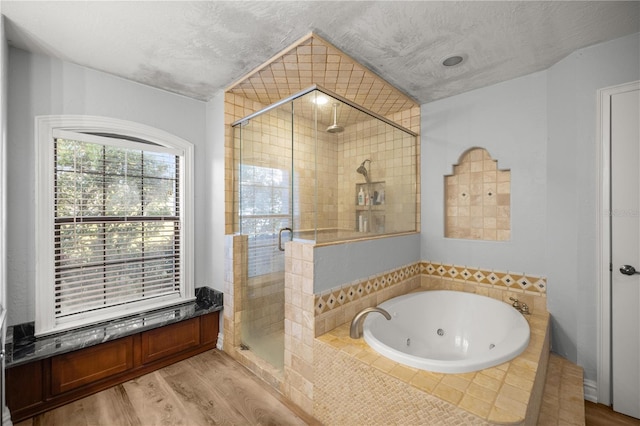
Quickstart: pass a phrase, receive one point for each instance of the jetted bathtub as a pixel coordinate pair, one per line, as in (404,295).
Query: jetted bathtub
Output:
(447,331)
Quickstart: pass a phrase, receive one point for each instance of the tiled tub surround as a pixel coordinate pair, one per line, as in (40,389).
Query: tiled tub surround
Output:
(355,383)
(382,391)
(309,315)
(337,306)
(22,347)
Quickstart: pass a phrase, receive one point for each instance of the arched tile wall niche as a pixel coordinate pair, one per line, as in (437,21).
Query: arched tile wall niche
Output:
(478,198)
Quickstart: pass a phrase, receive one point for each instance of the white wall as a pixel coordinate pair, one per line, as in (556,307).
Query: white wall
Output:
(509,120)
(336,265)
(215,184)
(572,194)
(5,417)
(543,128)
(40,85)
(4,63)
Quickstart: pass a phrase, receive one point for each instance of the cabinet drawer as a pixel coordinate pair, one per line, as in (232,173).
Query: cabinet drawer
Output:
(169,340)
(72,370)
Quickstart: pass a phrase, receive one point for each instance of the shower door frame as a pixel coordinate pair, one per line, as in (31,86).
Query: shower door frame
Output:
(328,93)
(271,278)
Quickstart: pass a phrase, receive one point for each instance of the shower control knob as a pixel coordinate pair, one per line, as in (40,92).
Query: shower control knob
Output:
(628,270)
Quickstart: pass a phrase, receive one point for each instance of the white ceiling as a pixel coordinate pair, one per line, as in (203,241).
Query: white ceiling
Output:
(197,48)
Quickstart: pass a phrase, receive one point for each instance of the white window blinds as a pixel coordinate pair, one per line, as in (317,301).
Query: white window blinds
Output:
(265,209)
(116,225)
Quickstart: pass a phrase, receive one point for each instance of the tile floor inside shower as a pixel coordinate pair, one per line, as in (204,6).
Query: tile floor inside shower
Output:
(268,347)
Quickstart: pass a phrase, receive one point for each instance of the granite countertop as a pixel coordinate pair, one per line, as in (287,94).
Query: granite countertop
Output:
(22,346)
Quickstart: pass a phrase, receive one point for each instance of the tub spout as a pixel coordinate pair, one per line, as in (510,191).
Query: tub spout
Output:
(356,324)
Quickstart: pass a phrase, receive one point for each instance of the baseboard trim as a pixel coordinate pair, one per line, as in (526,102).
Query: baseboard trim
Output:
(220,341)
(6,417)
(591,390)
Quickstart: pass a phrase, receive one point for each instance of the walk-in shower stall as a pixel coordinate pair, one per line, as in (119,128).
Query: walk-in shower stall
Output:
(314,167)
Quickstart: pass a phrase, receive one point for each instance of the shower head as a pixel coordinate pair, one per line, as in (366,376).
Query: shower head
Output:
(363,170)
(335,128)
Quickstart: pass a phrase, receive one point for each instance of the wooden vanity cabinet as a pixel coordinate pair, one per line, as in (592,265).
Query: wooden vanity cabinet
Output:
(41,385)
(80,368)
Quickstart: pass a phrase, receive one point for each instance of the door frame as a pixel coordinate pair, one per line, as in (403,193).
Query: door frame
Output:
(602,391)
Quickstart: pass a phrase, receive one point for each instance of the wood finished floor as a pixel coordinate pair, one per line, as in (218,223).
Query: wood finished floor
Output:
(601,415)
(211,388)
(207,389)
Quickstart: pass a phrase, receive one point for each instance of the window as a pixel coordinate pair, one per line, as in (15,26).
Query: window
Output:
(265,209)
(114,230)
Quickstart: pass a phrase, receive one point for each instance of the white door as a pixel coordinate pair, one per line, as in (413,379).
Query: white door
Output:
(625,250)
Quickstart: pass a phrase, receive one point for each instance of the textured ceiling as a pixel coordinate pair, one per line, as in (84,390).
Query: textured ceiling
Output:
(199,48)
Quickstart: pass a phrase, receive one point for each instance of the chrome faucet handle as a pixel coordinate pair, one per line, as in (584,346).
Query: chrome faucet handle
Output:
(516,303)
(524,308)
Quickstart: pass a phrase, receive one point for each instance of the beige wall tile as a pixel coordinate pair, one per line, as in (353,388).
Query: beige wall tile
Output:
(477,183)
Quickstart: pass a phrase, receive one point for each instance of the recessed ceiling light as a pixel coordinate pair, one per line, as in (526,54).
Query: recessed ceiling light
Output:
(320,100)
(452,61)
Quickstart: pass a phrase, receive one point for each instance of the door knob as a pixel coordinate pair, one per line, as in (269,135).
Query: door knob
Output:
(628,270)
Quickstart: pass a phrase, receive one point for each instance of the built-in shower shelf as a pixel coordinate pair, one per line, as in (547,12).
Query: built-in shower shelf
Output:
(370,215)
(376,191)
(373,208)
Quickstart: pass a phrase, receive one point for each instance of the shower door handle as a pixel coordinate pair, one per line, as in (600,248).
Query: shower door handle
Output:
(280,237)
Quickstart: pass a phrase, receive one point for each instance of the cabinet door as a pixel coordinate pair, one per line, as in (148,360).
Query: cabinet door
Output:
(24,386)
(169,340)
(85,366)
(209,328)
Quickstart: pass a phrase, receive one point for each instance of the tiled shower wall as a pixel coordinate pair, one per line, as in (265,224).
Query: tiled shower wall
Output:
(267,142)
(394,159)
(265,295)
(312,61)
(315,168)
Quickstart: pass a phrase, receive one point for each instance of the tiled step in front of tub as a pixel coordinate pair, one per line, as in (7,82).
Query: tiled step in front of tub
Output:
(563,398)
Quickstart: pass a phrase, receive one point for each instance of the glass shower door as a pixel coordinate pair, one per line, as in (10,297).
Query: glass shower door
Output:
(265,207)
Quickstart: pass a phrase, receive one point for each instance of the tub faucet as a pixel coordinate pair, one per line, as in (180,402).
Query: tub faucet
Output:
(356,324)
(520,306)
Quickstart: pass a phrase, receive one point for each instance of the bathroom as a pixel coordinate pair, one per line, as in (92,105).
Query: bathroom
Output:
(541,126)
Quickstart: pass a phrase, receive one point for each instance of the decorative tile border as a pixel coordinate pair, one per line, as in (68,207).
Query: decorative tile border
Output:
(504,280)
(335,298)
(514,281)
